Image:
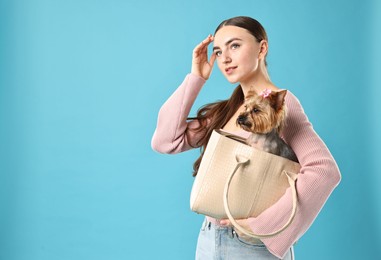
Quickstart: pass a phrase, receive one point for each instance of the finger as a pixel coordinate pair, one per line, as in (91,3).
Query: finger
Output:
(204,43)
(205,48)
(207,40)
(200,45)
(224,222)
(200,49)
(212,58)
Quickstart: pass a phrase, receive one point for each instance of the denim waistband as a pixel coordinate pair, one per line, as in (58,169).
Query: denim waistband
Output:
(208,225)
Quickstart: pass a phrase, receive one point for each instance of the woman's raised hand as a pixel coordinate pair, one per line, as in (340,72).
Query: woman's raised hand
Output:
(200,64)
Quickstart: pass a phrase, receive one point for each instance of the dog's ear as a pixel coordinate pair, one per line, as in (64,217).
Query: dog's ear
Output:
(277,99)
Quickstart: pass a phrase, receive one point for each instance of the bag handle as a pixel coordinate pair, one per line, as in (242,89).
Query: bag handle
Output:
(291,180)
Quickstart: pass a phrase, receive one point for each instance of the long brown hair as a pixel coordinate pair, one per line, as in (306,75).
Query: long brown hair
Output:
(216,115)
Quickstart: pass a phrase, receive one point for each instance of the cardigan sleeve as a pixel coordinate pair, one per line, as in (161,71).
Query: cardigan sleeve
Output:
(318,176)
(174,133)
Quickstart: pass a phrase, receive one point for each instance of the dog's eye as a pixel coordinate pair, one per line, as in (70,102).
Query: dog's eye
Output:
(255,110)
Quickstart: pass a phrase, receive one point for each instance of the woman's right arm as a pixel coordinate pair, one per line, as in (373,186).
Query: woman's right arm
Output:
(173,132)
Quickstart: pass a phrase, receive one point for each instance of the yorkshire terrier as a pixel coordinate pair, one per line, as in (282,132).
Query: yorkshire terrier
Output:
(264,117)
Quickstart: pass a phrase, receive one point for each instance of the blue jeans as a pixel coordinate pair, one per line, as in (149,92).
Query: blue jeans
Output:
(223,243)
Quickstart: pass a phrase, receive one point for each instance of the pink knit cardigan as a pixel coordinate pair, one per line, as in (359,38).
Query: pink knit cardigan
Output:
(318,176)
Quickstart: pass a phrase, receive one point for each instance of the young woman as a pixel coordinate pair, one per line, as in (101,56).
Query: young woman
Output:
(240,49)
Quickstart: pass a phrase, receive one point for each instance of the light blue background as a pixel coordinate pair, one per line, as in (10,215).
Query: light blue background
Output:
(81,83)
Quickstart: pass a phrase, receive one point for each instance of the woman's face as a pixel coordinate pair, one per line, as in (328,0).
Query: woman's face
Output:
(238,53)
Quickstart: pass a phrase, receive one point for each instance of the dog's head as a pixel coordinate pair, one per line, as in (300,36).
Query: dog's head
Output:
(263,112)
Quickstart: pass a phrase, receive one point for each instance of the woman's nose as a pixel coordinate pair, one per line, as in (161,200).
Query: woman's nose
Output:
(226,59)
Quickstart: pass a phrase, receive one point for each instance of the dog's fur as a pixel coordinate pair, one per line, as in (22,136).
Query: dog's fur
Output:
(264,117)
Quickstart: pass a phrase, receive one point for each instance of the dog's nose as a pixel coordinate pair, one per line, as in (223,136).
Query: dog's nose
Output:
(241,119)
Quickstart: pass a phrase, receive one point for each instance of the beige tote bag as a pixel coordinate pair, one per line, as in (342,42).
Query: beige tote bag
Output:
(237,181)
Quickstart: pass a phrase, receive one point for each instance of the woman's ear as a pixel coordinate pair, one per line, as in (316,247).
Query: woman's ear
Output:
(263,47)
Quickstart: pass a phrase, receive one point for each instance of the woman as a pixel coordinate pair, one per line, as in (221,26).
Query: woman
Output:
(240,49)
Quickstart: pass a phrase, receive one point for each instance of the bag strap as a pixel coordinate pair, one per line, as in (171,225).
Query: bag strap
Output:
(291,180)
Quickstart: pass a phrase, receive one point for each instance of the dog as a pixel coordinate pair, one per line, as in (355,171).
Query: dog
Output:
(264,117)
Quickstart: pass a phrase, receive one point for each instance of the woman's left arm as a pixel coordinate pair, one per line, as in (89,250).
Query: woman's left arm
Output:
(318,177)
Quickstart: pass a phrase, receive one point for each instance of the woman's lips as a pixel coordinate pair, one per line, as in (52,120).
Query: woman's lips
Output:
(230,70)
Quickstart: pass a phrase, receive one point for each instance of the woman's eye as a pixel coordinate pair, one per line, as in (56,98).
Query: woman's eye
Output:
(235,46)
(218,53)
